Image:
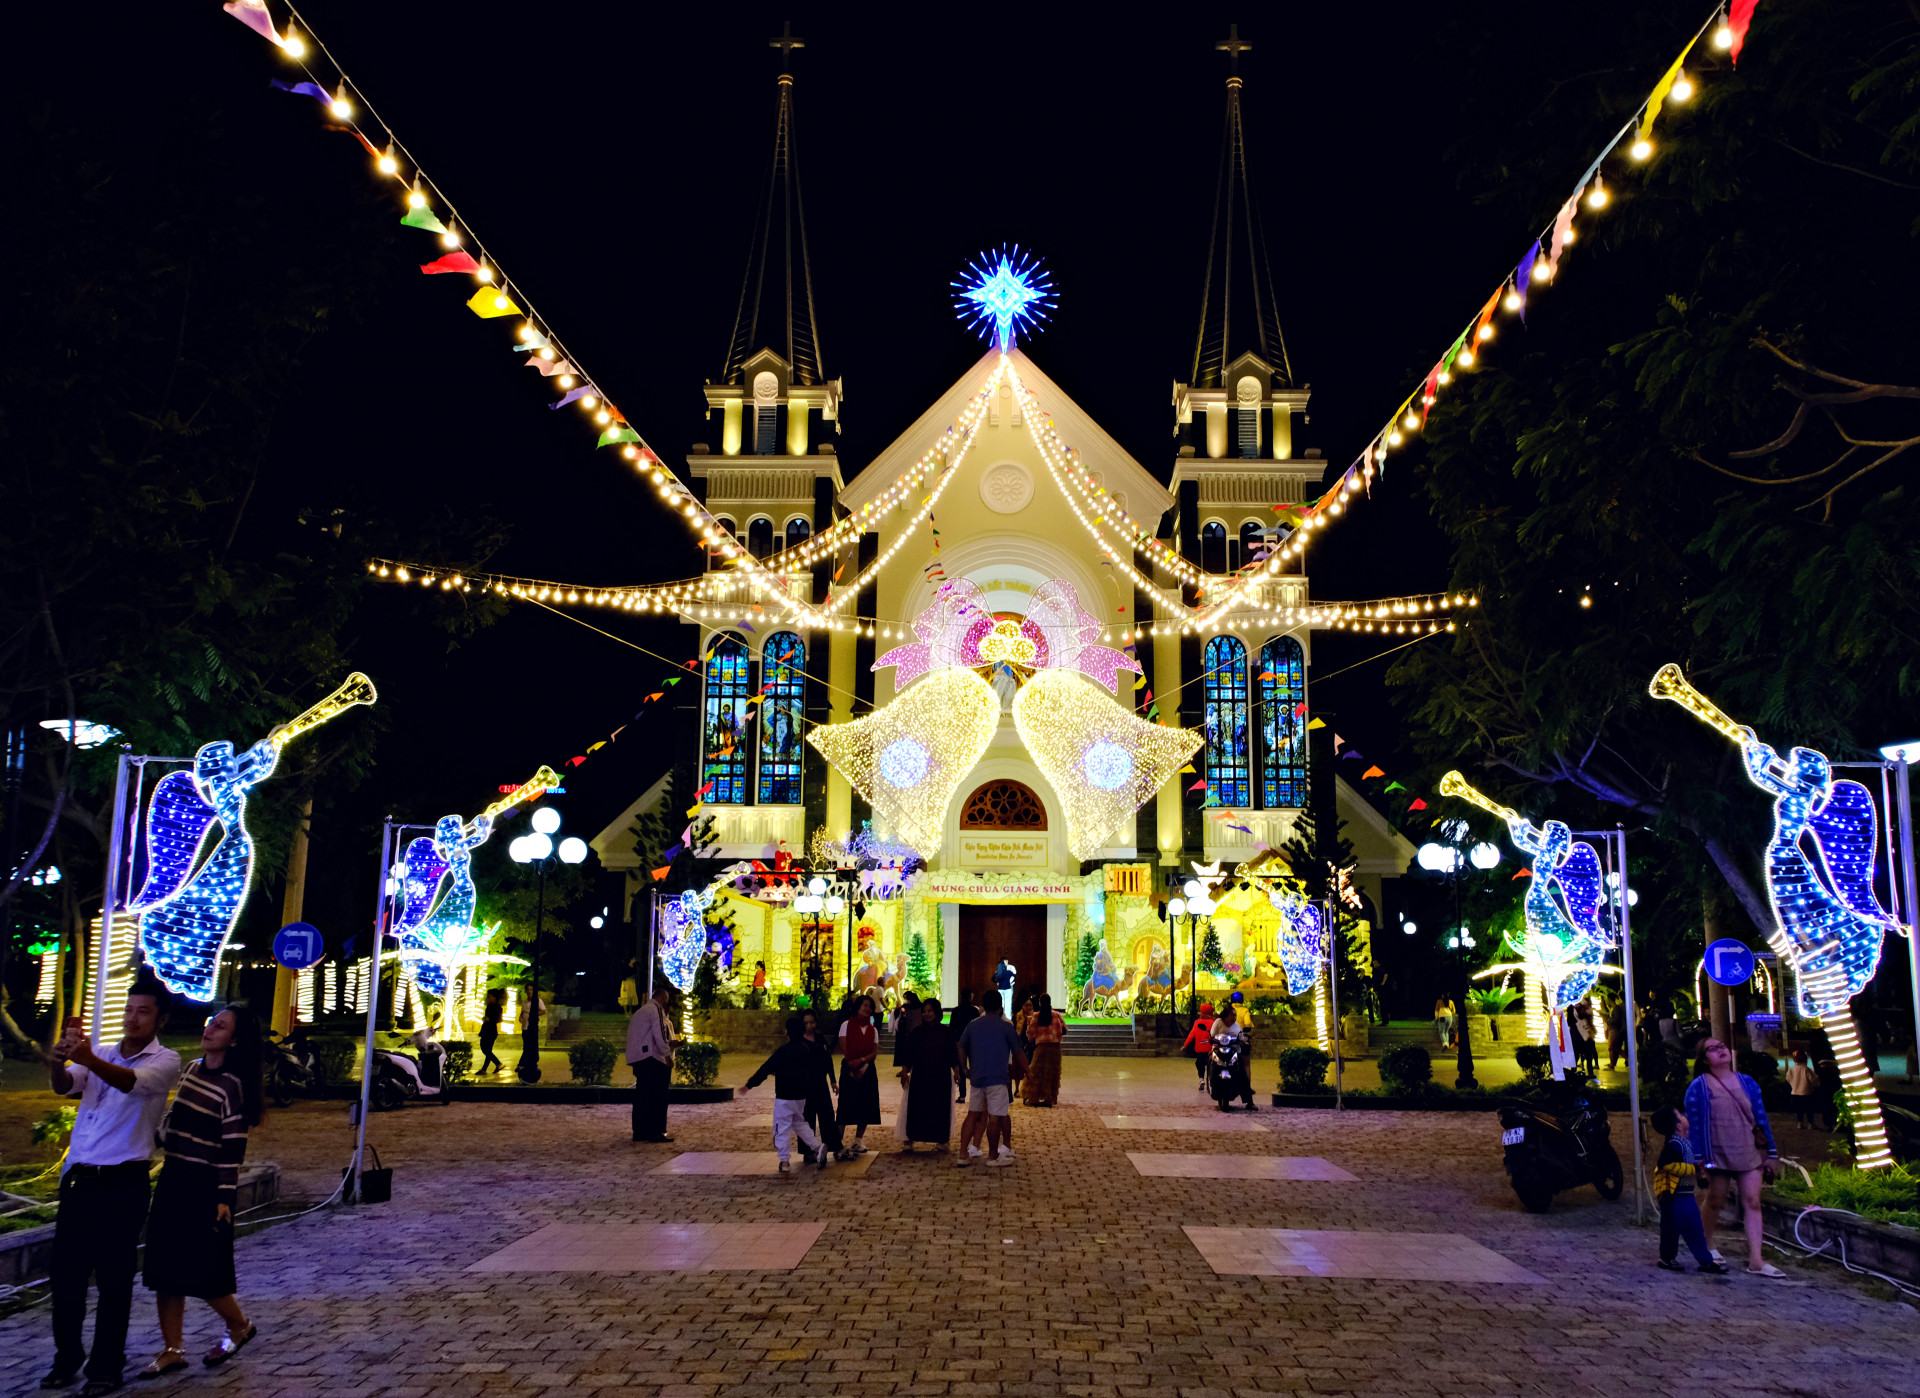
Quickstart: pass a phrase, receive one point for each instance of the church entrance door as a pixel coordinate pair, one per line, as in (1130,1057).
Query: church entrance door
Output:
(992,931)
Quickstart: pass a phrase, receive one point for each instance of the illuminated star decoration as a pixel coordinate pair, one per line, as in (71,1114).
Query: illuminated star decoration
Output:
(1002,292)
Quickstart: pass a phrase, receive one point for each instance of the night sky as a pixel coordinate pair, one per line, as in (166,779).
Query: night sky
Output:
(610,157)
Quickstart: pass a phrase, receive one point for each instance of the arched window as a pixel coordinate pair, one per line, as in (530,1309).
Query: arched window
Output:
(760,537)
(723,734)
(1283,724)
(783,665)
(1224,721)
(798,532)
(1003,805)
(1213,547)
(1249,543)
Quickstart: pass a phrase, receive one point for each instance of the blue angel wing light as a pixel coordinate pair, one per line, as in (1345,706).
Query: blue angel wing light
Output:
(1584,888)
(1844,828)
(419,886)
(177,823)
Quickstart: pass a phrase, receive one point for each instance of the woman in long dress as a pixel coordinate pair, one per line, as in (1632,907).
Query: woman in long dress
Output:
(932,1063)
(1045,1029)
(859,1084)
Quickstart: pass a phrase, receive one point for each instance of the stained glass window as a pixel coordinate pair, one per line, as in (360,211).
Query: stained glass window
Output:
(1224,722)
(1283,727)
(783,667)
(724,733)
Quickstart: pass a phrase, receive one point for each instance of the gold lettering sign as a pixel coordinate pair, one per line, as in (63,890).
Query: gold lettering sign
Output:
(993,849)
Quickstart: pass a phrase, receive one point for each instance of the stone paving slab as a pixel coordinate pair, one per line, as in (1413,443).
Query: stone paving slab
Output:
(1313,1252)
(656,1247)
(1213,1121)
(912,1288)
(1168,1165)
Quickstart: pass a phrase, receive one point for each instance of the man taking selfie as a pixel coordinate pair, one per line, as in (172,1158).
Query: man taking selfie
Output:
(103,1188)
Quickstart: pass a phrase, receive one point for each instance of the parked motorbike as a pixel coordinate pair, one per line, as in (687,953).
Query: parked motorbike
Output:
(400,1078)
(292,1069)
(1551,1151)
(1231,1065)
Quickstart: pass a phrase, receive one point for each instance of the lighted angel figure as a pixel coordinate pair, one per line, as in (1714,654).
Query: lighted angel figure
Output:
(441,950)
(1831,924)
(185,920)
(454,842)
(1564,942)
(1302,940)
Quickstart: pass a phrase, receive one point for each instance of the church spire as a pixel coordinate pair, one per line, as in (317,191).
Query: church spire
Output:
(776,295)
(1237,311)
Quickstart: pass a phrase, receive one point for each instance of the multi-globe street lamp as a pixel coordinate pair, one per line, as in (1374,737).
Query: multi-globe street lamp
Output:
(1449,861)
(539,850)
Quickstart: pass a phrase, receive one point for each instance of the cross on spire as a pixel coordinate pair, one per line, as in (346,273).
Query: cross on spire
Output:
(786,43)
(1233,46)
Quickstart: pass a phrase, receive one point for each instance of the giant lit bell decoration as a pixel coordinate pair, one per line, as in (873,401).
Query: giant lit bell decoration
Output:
(1103,762)
(910,757)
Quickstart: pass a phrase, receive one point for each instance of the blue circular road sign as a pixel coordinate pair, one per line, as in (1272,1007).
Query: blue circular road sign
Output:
(1730,962)
(299,945)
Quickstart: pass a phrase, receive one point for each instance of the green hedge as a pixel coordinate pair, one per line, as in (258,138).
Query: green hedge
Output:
(459,1061)
(696,1062)
(1304,1070)
(1406,1070)
(334,1058)
(592,1061)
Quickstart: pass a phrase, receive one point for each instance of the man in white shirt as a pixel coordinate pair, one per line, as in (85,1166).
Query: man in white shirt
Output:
(103,1187)
(650,1053)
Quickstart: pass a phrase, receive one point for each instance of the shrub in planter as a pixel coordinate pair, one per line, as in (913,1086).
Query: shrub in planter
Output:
(1406,1070)
(1304,1070)
(1534,1060)
(784,999)
(334,1058)
(459,1061)
(696,1062)
(591,1060)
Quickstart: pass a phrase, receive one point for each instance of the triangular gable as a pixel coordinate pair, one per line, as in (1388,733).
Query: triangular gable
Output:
(614,844)
(1378,848)
(1147,499)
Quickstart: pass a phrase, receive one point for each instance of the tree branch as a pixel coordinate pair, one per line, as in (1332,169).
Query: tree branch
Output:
(1800,415)
(1836,165)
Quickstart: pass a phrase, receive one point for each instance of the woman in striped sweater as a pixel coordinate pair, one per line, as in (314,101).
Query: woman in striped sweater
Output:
(190,1226)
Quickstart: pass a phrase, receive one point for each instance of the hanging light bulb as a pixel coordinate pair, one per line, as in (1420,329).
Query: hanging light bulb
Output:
(1723,38)
(1597,198)
(340,106)
(1681,90)
(1640,149)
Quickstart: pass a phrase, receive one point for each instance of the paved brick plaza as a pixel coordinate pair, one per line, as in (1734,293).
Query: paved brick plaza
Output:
(1071,1273)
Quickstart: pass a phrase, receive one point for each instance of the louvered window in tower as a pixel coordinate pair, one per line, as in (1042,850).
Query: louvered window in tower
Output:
(1224,722)
(766,414)
(783,666)
(726,718)
(1283,724)
(1213,547)
(1247,411)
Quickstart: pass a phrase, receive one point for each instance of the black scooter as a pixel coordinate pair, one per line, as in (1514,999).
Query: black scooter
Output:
(1565,1148)
(292,1069)
(1231,1066)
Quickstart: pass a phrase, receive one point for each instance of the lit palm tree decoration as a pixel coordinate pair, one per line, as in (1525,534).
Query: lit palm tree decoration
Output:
(445,948)
(1003,292)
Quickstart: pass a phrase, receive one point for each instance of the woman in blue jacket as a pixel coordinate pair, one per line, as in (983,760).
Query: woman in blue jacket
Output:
(1734,1141)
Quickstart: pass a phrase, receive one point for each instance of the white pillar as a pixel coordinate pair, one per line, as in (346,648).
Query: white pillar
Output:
(949,954)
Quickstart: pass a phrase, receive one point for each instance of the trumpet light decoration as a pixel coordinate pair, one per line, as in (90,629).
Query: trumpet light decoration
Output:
(1564,941)
(186,913)
(1103,762)
(1828,922)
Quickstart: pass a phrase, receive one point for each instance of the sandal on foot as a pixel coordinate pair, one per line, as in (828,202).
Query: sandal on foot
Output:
(1765,1269)
(163,1364)
(230,1345)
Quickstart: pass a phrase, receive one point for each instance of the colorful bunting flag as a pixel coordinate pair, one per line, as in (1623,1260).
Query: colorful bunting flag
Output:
(1739,16)
(452,262)
(1371,772)
(1417,805)
(617,433)
(489,303)
(253,14)
(1393,786)
(549,367)
(1316,723)
(423,218)
(580,392)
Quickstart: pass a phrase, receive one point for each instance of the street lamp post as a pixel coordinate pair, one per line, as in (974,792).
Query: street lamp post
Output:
(1450,862)
(539,850)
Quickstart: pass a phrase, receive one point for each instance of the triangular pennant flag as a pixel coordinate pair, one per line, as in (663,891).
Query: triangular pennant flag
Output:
(452,262)
(1338,742)
(549,367)
(1299,709)
(619,432)
(662,872)
(675,679)
(580,392)
(1523,874)
(1316,723)
(1351,753)
(1200,785)
(491,302)
(1393,786)
(253,14)
(422,217)
(313,90)
(534,341)
(1418,805)
(1371,772)
(1739,16)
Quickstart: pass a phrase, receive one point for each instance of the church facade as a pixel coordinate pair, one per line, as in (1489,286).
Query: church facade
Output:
(1005,493)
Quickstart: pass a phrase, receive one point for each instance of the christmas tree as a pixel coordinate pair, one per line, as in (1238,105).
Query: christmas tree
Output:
(919,967)
(1083,958)
(1210,955)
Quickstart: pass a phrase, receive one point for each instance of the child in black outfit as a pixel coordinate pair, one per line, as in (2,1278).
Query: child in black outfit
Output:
(1673,1176)
(793,1067)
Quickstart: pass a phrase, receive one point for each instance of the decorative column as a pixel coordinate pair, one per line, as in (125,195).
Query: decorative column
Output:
(840,675)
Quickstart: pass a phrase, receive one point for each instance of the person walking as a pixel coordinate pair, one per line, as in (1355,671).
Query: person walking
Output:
(1734,1141)
(1045,1029)
(1003,978)
(932,1062)
(991,1052)
(821,1087)
(1800,1084)
(190,1227)
(859,1084)
(490,1017)
(1674,1174)
(1199,1042)
(123,1091)
(1586,1051)
(964,1014)
(793,1067)
(650,1054)
(1616,1032)
(1443,1021)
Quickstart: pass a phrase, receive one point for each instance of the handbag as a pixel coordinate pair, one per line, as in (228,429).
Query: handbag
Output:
(376,1185)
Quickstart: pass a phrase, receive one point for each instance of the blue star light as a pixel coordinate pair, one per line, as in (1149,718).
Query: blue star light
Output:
(1003,291)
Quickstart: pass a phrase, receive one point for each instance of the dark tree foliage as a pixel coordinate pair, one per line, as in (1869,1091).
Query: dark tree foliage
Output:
(1582,470)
